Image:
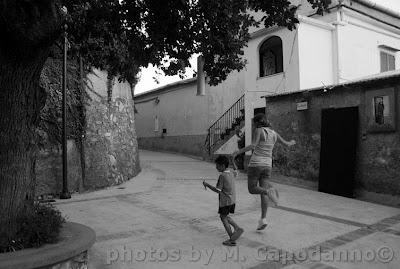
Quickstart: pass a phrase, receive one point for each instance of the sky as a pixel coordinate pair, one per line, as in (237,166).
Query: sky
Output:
(147,75)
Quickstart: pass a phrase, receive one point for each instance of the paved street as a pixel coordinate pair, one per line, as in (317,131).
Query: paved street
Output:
(163,218)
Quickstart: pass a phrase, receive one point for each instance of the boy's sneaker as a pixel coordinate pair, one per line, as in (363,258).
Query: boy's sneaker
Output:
(273,195)
(229,243)
(262,224)
(237,234)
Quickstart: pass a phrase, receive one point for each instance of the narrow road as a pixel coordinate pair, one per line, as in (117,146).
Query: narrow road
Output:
(163,218)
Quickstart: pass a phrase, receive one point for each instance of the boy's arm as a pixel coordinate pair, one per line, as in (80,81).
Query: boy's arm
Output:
(218,188)
(214,189)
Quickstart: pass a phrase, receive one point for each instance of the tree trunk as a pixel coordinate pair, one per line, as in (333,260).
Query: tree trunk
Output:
(27,30)
(21,100)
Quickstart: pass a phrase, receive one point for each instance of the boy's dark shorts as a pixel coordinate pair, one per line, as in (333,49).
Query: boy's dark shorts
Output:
(225,210)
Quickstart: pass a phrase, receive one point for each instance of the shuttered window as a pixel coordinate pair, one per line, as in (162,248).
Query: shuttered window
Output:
(388,61)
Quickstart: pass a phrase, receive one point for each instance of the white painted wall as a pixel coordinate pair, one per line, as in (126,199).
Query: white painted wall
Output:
(98,84)
(182,112)
(316,67)
(179,111)
(358,47)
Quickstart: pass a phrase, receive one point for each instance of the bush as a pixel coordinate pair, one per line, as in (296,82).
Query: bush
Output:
(38,226)
(302,160)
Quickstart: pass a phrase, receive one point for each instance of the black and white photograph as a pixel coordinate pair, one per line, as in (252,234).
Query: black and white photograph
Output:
(199,134)
(381,112)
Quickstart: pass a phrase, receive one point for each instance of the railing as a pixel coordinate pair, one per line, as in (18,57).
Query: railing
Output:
(226,124)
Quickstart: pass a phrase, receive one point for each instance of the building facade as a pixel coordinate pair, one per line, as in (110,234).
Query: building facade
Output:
(353,40)
(347,136)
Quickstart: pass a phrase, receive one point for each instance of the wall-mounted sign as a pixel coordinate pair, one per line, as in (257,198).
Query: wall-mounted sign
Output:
(302,106)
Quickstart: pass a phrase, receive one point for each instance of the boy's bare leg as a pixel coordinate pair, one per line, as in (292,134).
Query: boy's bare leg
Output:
(238,231)
(232,223)
(227,226)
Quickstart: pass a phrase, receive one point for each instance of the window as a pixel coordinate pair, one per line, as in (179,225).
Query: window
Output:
(155,124)
(388,61)
(271,59)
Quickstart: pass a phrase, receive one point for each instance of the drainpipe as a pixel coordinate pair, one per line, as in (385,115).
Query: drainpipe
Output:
(336,45)
(201,80)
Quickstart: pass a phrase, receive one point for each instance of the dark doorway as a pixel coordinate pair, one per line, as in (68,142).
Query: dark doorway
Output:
(339,132)
(259,110)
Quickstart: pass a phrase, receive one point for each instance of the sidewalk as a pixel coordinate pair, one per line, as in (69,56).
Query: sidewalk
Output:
(163,218)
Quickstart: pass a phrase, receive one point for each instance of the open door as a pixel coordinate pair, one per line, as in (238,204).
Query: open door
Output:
(339,133)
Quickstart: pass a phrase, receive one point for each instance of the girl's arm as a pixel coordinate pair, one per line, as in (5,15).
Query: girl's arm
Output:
(283,141)
(251,146)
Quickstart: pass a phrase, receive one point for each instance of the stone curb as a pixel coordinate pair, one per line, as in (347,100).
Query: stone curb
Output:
(75,238)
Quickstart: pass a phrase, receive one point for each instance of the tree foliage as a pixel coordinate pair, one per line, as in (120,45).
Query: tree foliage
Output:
(122,36)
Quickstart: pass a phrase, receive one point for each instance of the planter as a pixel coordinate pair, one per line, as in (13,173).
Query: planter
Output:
(69,252)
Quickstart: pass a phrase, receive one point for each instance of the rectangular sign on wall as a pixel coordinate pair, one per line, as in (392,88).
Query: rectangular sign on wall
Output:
(302,106)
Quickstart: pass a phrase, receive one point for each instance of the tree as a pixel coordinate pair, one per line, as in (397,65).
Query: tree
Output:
(117,36)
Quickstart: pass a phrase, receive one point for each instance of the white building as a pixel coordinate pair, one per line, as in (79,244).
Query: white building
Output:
(355,39)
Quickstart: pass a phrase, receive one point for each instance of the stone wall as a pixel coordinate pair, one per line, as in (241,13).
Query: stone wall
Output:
(378,161)
(78,262)
(49,169)
(111,153)
(110,149)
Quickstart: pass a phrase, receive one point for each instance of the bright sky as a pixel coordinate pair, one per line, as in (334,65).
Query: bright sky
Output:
(147,81)
(149,75)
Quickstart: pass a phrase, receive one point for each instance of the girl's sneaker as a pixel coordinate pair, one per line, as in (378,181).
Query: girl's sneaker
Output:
(262,224)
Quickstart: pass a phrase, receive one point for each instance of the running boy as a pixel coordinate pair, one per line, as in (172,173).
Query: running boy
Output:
(227,196)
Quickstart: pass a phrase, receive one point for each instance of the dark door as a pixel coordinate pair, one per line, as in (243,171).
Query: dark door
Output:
(339,133)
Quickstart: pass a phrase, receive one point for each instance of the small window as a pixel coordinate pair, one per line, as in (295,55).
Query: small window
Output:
(388,61)
(155,124)
(271,58)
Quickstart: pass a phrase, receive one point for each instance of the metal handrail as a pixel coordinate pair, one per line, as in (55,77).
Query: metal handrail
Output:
(231,117)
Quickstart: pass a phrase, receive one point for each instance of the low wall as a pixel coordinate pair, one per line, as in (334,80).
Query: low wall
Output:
(69,253)
(187,144)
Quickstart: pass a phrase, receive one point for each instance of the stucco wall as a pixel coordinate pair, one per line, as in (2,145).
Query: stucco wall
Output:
(378,168)
(186,144)
(358,47)
(185,116)
(316,65)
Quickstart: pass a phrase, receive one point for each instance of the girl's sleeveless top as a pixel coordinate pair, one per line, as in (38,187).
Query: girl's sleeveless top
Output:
(262,154)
